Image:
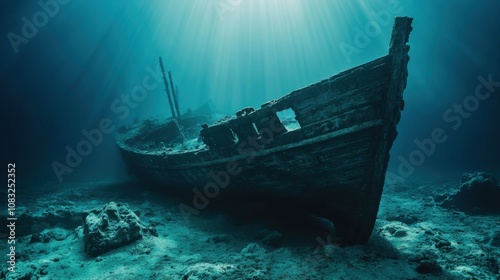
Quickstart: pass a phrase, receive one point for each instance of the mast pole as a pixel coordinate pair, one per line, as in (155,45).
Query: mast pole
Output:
(167,89)
(174,94)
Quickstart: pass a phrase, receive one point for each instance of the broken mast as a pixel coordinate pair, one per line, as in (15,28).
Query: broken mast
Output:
(167,90)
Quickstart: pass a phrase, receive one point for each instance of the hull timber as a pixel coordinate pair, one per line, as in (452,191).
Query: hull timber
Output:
(333,165)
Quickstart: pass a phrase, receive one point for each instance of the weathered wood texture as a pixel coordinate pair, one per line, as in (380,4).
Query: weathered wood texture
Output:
(358,223)
(335,162)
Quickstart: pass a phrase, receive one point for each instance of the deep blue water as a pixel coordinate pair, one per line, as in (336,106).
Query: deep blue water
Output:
(82,59)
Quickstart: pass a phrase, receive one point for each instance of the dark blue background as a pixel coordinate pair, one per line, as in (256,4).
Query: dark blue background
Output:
(66,77)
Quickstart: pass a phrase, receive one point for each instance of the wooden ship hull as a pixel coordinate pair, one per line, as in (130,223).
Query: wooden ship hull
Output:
(333,165)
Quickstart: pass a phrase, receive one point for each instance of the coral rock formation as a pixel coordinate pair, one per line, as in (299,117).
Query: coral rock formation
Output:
(115,225)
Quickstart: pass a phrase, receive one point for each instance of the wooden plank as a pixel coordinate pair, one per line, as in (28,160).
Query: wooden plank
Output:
(343,78)
(369,113)
(340,94)
(317,109)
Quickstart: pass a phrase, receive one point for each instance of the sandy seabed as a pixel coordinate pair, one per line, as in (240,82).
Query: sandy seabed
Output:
(414,238)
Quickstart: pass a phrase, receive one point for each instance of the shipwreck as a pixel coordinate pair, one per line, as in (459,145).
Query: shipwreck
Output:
(329,155)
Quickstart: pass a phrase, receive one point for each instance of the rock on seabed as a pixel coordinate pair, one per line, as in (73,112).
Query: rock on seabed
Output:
(115,225)
(479,192)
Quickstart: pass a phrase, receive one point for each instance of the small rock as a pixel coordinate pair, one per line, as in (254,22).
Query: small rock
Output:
(495,239)
(400,233)
(405,219)
(396,230)
(67,217)
(443,243)
(479,193)
(493,265)
(219,238)
(429,267)
(256,274)
(273,239)
(391,229)
(208,271)
(141,249)
(42,271)
(253,249)
(48,235)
